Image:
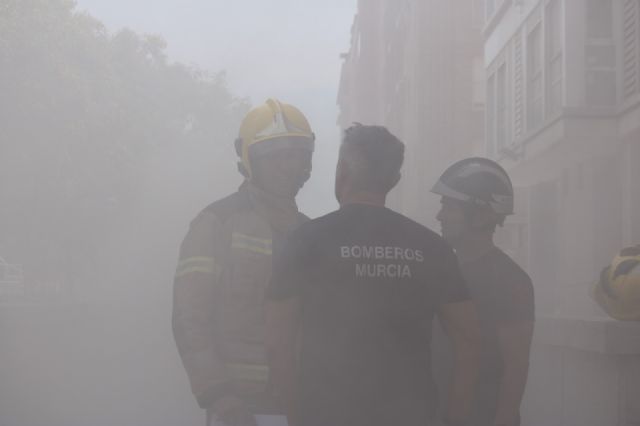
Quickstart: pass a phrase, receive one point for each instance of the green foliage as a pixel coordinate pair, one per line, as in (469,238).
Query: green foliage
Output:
(80,111)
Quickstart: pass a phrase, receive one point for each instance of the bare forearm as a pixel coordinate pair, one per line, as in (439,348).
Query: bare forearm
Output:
(515,344)
(462,389)
(282,369)
(512,388)
(461,325)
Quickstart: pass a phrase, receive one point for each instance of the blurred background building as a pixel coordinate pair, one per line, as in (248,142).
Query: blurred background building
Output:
(551,90)
(416,67)
(563,115)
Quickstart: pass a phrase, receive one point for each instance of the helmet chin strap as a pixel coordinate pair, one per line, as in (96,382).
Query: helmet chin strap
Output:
(243,170)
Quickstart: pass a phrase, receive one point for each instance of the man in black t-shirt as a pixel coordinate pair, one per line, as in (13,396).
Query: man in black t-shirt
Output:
(477,195)
(352,299)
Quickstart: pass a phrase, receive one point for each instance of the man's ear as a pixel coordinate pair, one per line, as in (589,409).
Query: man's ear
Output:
(483,218)
(340,179)
(341,170)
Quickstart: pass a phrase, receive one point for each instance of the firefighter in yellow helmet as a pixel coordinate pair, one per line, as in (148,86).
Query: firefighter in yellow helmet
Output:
(225,265)
(618,291)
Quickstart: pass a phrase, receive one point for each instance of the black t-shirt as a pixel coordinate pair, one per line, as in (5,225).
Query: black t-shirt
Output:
(503,295)
(369,281)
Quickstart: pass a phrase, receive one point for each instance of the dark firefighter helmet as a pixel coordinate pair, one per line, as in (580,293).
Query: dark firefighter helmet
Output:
(478,181)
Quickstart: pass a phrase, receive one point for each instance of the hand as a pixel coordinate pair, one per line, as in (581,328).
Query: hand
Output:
(232,411)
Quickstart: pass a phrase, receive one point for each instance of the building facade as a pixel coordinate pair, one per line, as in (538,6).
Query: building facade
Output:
(416,67)
(563,116)
(551,90)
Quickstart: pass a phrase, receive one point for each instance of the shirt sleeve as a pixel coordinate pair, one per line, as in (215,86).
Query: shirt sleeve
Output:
(516,302)
(289,269)
(454,287)
(195,298)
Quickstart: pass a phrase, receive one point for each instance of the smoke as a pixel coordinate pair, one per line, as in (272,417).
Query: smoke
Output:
(111,141)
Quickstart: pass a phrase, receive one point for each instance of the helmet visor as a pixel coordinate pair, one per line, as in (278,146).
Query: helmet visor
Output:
(286,142)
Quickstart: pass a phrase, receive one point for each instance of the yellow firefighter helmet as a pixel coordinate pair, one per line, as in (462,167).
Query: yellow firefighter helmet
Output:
(618,291)
(268,127)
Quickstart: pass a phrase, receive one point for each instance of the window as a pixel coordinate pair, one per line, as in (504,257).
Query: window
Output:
(601,75)
(497,107)
(491,116)
(478,14)
(554,29)
(630,48)
(518,87)
(534,77)
(600,54)
(478,96)
(501,108)
(490,9)
(599,19)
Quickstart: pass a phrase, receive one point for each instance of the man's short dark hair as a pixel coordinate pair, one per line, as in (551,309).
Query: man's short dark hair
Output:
(374,157)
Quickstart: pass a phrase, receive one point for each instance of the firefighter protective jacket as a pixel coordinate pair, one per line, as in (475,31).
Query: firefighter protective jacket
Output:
(221,278)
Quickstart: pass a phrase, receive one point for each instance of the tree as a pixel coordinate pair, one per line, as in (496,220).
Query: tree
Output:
(80,112)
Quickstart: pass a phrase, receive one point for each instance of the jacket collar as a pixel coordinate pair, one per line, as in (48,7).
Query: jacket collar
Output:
(281,213)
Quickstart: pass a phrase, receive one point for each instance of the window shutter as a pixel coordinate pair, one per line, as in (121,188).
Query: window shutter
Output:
(630,48)
(518,88)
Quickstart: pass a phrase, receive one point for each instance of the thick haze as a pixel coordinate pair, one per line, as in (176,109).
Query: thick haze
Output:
(107,151)
(282,48)
(117,123)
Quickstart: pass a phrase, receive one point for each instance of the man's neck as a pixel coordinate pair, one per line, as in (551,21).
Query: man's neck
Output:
(281,212)
(364,197)
(269,197)
(474,246)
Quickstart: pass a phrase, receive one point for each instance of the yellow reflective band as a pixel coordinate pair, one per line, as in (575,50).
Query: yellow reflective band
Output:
(202,264)
(192,269)
(252,248)
(236,236)
(196,259)
(246,242)
(257,373)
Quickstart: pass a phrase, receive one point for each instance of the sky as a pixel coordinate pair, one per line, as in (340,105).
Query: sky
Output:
(288,49)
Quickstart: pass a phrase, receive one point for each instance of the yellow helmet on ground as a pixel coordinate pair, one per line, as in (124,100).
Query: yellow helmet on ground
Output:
(268,127)
(618,291)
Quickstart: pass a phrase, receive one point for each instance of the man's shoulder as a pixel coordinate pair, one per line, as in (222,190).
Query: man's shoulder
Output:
(511,276)
(422,230)
(515,286)
(417,233)
(311,226)
(503,263)
(340,221)
(226,207)
(220,211)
